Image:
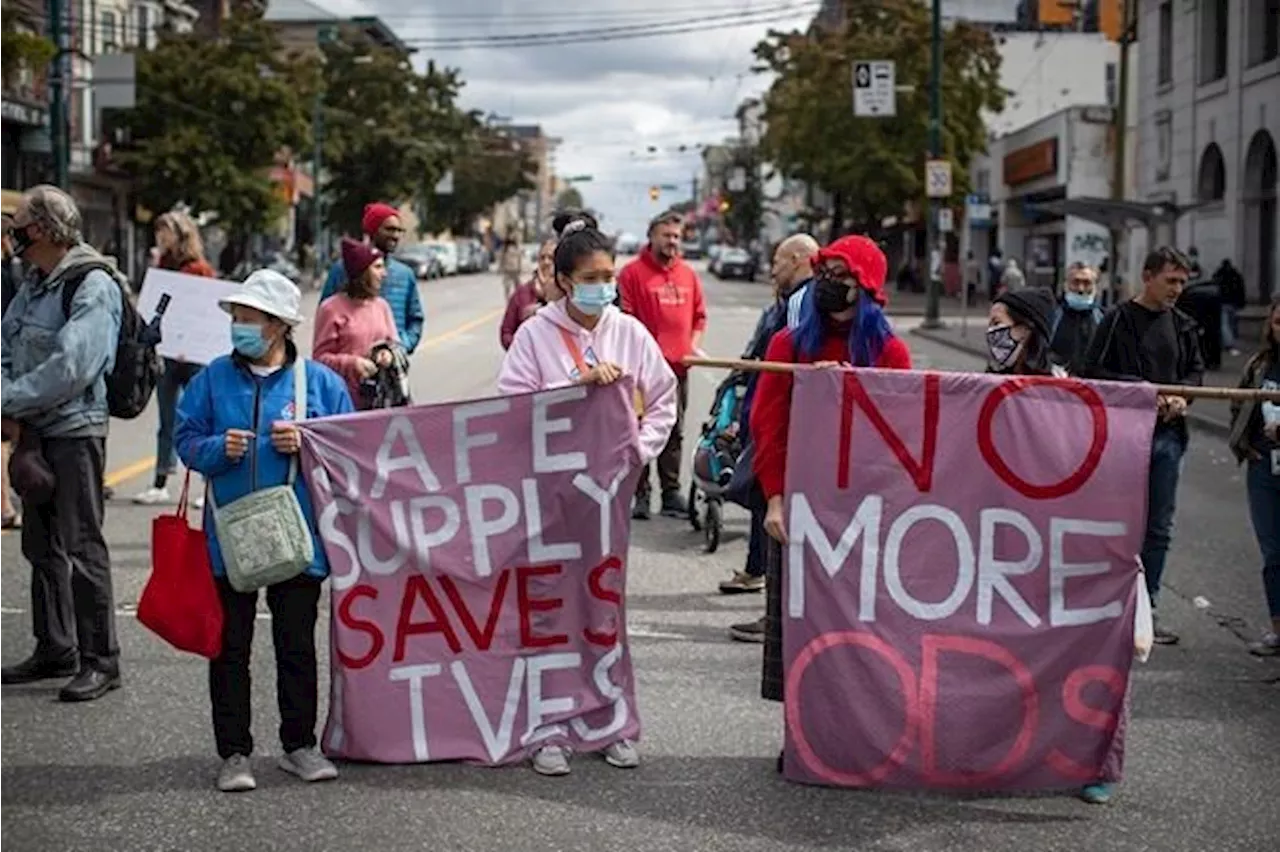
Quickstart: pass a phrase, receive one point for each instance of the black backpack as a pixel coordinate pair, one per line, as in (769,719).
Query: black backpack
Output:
(137,367)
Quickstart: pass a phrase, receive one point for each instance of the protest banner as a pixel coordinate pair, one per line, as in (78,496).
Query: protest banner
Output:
(961,578)
(194,329)
(478,573)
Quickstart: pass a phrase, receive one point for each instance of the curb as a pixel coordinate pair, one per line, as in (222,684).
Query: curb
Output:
(1199,422)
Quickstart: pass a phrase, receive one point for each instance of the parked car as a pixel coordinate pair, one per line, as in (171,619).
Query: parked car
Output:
(422,260)
(713,257)
(448,254)
(692,250)
(735,264)
(628,244)
(471,257)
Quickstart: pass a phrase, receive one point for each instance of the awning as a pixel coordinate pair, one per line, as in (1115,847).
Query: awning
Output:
(1118,215)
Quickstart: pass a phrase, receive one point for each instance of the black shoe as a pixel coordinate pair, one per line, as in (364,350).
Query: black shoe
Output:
(1164,636)
(640,509)
(88,685)
(35,668)
(673,505)
(751,631)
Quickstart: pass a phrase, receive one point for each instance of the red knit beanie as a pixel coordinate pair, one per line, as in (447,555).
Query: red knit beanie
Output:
(357,257)
(375,214)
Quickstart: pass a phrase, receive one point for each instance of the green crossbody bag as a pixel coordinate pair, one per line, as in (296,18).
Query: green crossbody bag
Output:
(264,536)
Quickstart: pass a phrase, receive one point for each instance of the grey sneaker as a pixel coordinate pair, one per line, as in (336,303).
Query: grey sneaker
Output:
(551,760)
(236,775)
(1267,646)
(622,754)
(309,765)
(742,583)
(750,631)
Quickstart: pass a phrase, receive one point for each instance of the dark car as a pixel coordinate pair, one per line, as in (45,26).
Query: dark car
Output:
(422,260)
(735,264)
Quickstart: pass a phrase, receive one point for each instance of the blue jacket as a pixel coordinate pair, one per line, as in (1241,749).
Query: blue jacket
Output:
(226,395)
(54,365)
(400,289)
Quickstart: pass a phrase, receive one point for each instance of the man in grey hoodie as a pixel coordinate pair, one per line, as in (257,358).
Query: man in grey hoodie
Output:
(54,400)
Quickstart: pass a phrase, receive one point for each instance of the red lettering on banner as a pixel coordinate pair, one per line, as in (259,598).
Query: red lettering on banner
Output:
(795,724)
(482,639)
(1073,704)
(359,625)
(921,472)
(1097,442)
(601,592)
(529,605)
(415,588)
(933,645)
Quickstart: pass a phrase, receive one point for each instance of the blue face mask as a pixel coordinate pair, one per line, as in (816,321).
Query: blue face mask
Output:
(247,339)
(1079,301)
(592,299)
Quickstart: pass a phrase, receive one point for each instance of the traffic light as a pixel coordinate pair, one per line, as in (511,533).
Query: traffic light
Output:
(724,206)
(654,192)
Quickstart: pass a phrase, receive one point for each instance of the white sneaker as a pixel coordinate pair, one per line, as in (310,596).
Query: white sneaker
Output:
(309,765)
(622,754)
(551,760)
(152,497)
(236,775)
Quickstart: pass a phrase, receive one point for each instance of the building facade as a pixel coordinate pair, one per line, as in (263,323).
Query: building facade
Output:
(1209,108)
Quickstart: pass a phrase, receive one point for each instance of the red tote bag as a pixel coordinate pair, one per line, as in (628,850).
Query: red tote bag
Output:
(180,602)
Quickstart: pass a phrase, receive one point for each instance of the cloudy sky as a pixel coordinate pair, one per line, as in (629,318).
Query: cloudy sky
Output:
(609,101)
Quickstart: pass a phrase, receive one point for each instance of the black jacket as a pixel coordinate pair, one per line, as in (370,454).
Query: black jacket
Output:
(1114,353)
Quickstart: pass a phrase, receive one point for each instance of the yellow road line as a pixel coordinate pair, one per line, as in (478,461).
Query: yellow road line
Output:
(141,466)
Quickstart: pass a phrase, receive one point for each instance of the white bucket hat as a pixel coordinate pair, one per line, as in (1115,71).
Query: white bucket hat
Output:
(270,292)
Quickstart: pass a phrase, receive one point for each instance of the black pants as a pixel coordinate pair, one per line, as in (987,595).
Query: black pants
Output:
(293,606)
(672,454)
(72,605)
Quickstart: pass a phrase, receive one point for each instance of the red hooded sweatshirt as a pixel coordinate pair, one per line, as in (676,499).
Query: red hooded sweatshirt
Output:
(667,299)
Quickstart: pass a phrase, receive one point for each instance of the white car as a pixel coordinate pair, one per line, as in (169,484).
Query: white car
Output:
(448,254)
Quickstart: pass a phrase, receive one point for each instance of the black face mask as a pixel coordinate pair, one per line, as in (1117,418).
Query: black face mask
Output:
(831,297)
(20,239)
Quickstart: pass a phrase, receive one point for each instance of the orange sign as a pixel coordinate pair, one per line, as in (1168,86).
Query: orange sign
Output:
(1034,161)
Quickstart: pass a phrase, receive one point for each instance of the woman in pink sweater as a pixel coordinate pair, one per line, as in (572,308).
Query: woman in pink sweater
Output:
(350,324)
(584,338)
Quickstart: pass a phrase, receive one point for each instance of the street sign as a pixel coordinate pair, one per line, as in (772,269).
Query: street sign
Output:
(875,89)
(946,221)
(977,211)
(937,178)
(738,180)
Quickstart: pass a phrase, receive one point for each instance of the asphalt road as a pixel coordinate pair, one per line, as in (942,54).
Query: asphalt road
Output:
(135,770)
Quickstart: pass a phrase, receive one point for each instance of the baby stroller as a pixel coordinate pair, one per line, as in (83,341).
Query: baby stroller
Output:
(715,457)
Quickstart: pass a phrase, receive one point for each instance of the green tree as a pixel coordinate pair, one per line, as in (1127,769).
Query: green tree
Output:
(874,167)
(212,115)
(491,168)
(390,132)
(23,47)
(569,199)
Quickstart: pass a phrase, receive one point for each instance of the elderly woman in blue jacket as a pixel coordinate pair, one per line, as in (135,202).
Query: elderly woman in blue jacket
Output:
(236,427)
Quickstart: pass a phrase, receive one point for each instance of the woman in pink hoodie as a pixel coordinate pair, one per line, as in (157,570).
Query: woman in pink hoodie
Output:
(585,338)
(351,323)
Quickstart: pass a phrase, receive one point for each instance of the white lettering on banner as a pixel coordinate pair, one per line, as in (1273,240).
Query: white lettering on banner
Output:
(539,708)
(1060,571)
(603,497)
(498,742)
(993,573)
(463,441)
(372,562)
(416,675)
(975,566)
(864,525)
(609,690)
(346,464)
(924,610)
(332,534)
(543,428)
(483,529)
(539,551)
(424,541)
(413,459)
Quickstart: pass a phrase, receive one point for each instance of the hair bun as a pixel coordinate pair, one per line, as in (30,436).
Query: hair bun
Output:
(573,227)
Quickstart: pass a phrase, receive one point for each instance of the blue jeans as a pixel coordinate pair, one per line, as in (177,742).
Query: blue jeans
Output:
(169,388)
(1168,445)
(1263,488)
(1230,326)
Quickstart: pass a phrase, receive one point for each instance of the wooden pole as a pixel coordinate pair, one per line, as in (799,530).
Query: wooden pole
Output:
(1187,391)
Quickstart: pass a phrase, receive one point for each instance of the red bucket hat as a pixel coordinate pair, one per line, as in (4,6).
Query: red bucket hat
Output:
(864,259)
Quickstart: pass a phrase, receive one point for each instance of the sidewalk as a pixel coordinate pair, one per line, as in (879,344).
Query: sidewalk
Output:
(1208,415)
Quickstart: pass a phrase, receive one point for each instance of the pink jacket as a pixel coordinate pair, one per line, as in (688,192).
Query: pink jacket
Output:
(346,330)
(539,359)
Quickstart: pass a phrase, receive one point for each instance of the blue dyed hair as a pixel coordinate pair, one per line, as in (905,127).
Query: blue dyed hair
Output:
(867,337)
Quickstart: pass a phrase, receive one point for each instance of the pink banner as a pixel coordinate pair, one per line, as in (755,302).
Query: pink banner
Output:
(478,556)
(961,578)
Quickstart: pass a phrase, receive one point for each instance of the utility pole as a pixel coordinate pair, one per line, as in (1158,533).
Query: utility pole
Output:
(1121,113)
(933,306)
(58,134)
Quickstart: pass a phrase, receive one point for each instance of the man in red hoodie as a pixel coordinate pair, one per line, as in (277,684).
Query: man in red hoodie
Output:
(664,293)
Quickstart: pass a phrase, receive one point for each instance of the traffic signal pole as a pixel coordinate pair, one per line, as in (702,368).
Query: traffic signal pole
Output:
(933,304)
(59,136)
